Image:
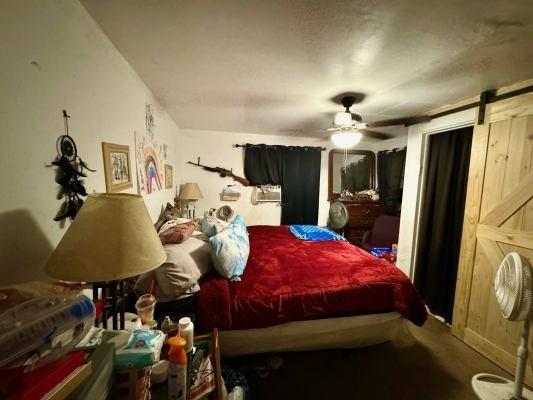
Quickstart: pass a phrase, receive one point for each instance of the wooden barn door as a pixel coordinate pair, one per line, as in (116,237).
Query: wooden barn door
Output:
(498,219)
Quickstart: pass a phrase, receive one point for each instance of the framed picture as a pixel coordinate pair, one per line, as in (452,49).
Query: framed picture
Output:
(117,167)
(168,176)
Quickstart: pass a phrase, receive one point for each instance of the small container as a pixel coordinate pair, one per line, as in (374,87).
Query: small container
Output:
(186,331)
(160,371)
(145,307)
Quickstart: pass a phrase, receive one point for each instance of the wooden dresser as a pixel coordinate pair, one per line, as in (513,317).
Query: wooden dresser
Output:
(362,217)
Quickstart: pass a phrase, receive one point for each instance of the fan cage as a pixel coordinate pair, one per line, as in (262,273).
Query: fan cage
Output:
(513,287)
(338,215)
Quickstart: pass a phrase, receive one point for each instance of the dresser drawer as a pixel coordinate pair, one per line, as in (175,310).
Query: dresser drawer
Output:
(361,221)
(365,209)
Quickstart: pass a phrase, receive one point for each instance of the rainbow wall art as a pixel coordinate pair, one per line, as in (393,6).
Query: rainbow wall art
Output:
(150,157)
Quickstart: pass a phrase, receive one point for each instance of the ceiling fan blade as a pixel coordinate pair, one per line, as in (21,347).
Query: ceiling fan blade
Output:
(374,134)
(400,121)
(357,118)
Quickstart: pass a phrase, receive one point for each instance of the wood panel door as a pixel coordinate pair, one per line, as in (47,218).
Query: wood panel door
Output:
(498,219)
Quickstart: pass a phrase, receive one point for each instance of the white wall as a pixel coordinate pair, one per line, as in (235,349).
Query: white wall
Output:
(54,56)
(413,181)
(215,149)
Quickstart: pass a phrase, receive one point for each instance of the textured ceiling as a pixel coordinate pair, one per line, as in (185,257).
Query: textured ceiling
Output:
(272,66)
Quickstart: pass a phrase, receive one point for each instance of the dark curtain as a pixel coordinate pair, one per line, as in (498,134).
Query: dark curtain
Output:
(301,185)
(296,169)
(391,168)
(356,177)
(263,165)
(441,219)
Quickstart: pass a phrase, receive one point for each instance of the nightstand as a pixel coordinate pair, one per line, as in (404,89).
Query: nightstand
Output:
(210,340)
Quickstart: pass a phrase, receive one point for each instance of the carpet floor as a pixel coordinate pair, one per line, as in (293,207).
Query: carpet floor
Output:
(438,366)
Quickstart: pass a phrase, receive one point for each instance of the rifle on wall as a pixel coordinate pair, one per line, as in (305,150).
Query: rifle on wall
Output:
(222,172)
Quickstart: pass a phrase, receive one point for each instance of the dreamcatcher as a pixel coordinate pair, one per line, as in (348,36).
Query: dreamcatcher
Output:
(69,171)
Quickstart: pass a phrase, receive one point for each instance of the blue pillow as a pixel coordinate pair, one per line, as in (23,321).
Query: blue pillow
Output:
(230,249)
(313,232)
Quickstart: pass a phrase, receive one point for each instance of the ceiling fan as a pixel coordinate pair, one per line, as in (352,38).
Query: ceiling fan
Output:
(349,127)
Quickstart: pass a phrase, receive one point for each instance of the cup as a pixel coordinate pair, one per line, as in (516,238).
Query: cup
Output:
(145,307)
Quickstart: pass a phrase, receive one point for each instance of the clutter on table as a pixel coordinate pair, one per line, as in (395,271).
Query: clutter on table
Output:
(37,338)
(43,329)
(50,348)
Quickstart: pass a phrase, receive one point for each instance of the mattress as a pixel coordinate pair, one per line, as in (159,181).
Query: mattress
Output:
(287,279)
(318,334)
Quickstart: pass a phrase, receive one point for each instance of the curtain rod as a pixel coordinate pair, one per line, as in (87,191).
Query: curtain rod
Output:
(486,97)
(393,150)
(273,145)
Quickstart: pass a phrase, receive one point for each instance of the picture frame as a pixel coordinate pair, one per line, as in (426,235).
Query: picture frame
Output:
(117,167)
(168,177)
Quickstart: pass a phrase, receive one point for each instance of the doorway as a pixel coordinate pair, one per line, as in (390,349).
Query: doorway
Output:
(441,218)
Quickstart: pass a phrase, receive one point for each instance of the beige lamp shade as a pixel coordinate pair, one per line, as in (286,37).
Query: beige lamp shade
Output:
(111,238)
(190,191)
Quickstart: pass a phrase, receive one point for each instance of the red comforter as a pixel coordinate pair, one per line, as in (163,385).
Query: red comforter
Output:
(288,279)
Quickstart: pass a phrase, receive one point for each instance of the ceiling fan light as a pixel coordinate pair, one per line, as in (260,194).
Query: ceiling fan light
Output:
(343,118)
(345,140)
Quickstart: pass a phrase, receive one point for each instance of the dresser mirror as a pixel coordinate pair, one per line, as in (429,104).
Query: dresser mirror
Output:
(354,170)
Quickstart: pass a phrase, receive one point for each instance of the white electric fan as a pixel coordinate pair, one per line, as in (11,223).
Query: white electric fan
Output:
(338,215)
(514,292)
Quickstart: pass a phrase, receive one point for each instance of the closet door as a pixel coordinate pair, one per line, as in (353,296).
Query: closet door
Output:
(498,219)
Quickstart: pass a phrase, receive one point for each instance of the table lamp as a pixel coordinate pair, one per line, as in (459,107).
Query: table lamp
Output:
(111,238)
(190,192)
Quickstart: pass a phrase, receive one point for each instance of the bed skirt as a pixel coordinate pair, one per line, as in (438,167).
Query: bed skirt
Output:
(318,334)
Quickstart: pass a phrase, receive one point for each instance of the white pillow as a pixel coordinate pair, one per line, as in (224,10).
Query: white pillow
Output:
(186,263)
(172,223)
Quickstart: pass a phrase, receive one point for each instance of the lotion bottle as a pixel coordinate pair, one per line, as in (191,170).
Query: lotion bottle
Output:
(186,331)
(177,369)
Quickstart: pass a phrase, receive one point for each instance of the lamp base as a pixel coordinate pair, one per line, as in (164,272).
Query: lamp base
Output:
(493,387)
(190,210)
(109,300)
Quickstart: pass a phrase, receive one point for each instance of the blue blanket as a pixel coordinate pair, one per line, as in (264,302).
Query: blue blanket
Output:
(313,232)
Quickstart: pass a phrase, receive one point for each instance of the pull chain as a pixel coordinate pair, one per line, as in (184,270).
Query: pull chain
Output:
(345,159)
(66,117)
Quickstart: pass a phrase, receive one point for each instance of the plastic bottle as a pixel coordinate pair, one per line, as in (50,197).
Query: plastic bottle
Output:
(177,369)
(186,331)
(237,393)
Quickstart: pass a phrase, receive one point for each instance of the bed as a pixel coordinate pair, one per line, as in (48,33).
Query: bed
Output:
(308,295)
